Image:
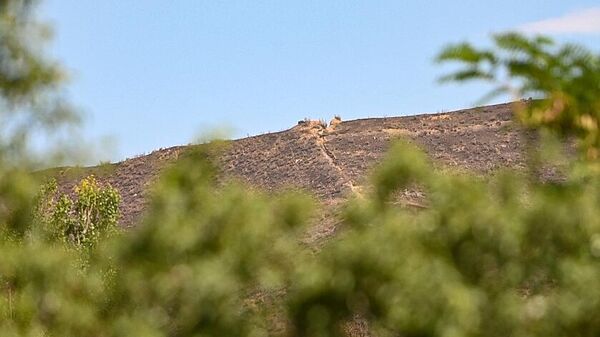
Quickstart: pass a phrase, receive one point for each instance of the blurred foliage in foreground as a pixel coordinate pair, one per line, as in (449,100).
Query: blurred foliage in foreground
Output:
(566,77)
(501,256)
(31,103)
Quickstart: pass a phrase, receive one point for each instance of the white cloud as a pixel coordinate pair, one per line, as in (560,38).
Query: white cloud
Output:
(586,21)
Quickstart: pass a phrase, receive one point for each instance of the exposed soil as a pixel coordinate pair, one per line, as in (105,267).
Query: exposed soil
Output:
(330,162)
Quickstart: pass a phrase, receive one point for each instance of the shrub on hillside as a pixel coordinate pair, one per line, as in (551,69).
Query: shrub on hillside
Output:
(80,220)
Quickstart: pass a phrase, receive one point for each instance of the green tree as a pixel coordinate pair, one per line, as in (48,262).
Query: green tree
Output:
(30,99)
(30,103)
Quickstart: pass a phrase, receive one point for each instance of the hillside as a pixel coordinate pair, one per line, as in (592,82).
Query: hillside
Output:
(329,162)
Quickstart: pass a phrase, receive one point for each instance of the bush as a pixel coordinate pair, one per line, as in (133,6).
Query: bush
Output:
(82,220)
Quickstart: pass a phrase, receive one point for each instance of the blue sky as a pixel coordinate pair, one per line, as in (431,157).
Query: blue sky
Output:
(150,74)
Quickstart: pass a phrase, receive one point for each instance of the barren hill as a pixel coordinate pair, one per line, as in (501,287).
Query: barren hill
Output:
(331,161)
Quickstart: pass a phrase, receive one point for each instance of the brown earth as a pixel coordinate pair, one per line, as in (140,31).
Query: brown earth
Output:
(329,162)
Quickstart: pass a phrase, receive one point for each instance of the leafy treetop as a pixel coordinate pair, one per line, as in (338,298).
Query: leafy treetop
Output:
(566,78)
